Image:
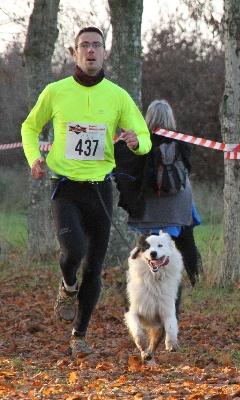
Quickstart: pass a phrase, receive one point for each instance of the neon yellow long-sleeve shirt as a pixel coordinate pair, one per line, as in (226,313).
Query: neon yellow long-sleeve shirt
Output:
(80,115)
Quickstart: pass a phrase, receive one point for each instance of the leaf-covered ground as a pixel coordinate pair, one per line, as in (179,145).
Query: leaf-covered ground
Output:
(36,364)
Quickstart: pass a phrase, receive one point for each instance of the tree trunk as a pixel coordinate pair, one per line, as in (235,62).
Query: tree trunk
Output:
(125,57)
(125,70)
(38,51)
(230,127)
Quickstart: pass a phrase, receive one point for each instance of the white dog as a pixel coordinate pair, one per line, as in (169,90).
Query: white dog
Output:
(154,289)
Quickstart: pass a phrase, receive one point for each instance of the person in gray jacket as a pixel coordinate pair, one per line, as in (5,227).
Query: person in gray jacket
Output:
(147,211)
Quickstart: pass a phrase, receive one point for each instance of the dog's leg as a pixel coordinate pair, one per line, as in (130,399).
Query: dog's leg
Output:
(171,324)
(155,337)
(134,325)
(171,328)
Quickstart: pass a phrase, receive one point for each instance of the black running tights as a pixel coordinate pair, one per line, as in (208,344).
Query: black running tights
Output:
(83,229)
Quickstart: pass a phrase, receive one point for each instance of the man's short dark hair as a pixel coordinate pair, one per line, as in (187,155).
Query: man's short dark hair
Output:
(89,29)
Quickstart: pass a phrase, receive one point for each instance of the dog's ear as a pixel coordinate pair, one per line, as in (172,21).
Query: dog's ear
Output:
(135,252)
(142,240)
(172,243)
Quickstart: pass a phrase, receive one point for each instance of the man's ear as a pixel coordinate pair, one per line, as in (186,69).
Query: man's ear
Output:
(105,55)
(71,50)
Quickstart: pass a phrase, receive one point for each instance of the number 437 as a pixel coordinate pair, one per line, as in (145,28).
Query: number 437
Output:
(87,147)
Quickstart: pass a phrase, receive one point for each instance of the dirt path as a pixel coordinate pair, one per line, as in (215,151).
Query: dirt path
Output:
(35,361)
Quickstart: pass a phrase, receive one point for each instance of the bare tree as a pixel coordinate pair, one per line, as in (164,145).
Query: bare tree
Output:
(126,71)
(38,51)
(230,121)
(126,68)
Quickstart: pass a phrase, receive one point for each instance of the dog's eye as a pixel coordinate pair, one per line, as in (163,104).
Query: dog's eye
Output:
(160,245)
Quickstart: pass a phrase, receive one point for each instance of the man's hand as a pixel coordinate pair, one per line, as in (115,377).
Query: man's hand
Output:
(130,138)
(37,171)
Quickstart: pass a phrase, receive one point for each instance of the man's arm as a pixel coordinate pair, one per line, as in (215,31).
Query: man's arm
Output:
(133,127)
(37,171)
(130,137)
(32,127)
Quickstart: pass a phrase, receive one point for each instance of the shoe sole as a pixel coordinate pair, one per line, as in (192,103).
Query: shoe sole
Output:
(79,354)
(63,320)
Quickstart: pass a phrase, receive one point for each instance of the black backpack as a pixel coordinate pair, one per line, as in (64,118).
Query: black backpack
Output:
(170,173)
(135,174)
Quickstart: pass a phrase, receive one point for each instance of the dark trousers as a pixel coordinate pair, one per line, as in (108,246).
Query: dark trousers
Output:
(83,230)
(185,243)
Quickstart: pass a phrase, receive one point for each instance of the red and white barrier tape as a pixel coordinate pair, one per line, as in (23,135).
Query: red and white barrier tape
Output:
(10,146)
(231,151)
(45,146)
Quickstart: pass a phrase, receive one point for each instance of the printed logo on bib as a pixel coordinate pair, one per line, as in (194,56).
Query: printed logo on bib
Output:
(85,141)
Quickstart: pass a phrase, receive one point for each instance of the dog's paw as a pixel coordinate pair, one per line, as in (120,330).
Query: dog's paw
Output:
(146,355)
(172,346)
(152,363)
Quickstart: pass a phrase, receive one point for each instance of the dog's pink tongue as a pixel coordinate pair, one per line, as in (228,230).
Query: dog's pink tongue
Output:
(156,263)
(160,262)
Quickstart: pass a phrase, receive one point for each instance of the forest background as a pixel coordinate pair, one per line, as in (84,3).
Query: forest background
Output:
(183,63)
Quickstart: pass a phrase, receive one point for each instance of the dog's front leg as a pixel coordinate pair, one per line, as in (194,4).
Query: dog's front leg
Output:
(134,325)
(155,335)
(171,328)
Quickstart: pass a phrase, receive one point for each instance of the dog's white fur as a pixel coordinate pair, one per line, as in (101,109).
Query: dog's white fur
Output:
(152,295)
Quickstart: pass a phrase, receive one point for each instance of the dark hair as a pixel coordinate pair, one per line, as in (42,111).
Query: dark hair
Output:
(89,29)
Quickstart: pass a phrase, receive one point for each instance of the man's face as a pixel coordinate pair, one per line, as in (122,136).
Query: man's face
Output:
(90,53)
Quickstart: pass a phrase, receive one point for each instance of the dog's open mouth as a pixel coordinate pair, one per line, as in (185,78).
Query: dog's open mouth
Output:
(156,264)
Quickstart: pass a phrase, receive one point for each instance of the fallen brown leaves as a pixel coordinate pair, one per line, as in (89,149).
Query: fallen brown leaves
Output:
(36,364)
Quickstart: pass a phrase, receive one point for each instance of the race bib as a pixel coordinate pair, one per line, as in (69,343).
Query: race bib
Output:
(85,141)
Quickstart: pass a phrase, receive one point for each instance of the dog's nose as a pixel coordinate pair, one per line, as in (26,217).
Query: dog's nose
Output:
(153,254)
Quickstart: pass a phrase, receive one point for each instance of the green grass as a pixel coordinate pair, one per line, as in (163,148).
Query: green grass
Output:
(225,299)
(13,205)
(209,240)
(13,230)
(209,236)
